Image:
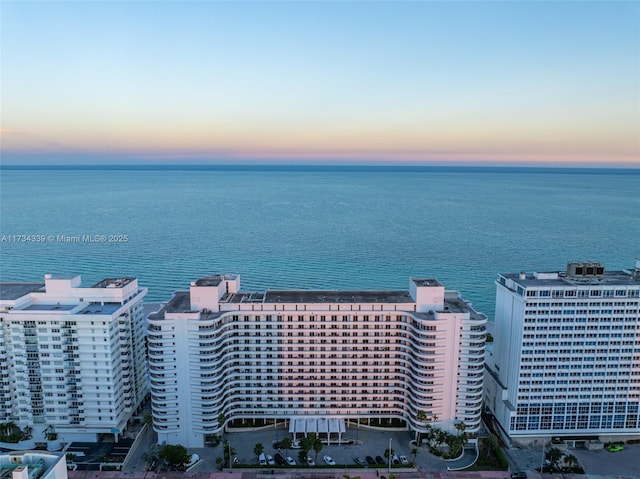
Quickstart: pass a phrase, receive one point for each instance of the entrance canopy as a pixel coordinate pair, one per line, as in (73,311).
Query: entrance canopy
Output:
(324,427)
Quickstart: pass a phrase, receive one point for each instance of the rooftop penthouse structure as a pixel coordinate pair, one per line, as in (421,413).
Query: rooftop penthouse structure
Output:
(72,358)
(33,465)
(566,357)
(217,354)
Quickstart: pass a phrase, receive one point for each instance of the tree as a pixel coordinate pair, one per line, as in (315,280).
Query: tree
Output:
(50,433)
(258,449)
(27,433)
(228,453)
(461,426)
(492,445)
(176,455)
(571,461)
(286,444)
(421,416)
(317,446)
(221,421)
(312,442)
(554,454)
(388,452)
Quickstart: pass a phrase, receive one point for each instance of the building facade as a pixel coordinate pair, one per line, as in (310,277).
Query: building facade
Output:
(72,359)
(566,357)
(218,354)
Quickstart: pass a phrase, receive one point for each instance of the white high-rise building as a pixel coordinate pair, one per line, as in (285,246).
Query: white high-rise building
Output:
(566,357)
(326,356)
(72,358)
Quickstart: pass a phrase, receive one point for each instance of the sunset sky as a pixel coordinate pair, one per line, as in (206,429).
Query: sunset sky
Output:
(321,82)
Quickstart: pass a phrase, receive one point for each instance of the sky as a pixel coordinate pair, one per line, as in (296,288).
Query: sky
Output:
(346,82)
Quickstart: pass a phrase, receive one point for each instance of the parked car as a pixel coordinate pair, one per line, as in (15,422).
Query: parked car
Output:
(296,444)
(370,460)
(270,460)
(395,459)
(279,459)
(290,461)
(403,460)
(380,460)
(615,448)
(262,459)
(329,460)
(359,461)
(310,461)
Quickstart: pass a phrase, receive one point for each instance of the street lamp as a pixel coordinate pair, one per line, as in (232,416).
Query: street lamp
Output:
(389,471)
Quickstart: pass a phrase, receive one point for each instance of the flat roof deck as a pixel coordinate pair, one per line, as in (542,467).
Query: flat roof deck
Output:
(13,291)
(613,278)
(113,283)
(50,307)
(301,296)
(97,308)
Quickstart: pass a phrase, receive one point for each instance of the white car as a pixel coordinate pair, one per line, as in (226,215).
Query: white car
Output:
(329,460)
(270,460)
(296,445)
(290,461)
(310,461)
(404,460)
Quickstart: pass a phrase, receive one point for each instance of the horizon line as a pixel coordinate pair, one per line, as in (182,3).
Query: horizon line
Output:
(309,166)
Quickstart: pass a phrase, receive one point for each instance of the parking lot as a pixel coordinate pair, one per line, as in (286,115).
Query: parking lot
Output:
(366,442)
(597,464)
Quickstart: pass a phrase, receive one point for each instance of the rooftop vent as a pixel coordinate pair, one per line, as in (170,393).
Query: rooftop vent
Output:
(585,269)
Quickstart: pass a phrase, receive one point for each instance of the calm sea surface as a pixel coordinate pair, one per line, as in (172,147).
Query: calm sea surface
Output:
(330,228)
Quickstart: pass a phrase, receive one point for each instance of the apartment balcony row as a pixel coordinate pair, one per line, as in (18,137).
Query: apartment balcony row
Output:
(365,380)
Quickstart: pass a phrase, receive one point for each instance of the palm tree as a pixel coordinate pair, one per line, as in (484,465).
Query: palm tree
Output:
(50,433)
(571,461)
(461,426)
(492,445)
(388,452)
(317,446)
(221,421)
(228,453)
(421,416)
(554,454)
(258,449)
(286,444)
(311,442)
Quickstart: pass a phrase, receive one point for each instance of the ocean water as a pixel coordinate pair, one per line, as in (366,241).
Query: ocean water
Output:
(316,227)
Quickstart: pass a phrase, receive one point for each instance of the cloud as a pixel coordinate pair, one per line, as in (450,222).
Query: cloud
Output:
(12,131)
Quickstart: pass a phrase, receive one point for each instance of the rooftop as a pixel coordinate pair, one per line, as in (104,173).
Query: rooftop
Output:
(180,303)
(426,282)
(97,308)
(113,283)
(555,278)
(320,297)
(50,307)
(13,291)
(209,281)
(60,276)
